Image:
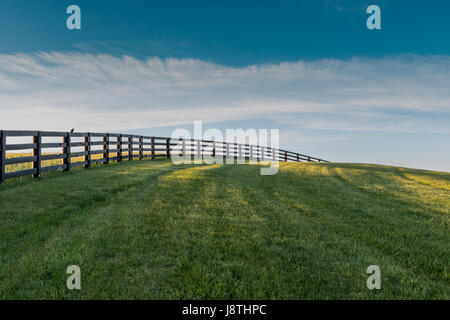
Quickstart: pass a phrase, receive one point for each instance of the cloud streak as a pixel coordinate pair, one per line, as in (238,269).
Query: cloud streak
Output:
(53,90)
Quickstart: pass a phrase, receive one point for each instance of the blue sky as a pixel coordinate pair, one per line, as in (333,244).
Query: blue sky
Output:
(310,68)
(228,32)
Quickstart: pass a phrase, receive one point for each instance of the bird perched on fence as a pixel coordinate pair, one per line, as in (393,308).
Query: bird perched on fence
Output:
(71,131)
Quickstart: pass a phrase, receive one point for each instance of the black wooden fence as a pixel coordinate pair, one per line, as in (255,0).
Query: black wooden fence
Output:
(118,147)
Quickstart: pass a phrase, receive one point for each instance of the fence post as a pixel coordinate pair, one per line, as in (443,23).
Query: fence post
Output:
(141,147)
(106,148)
(309,159)
(37,153)
(183,148)
(214,150)
(67,151)
(153,148)
(2,155)
(168,147)
(285,156)
(87,148)
(199,149)
(298,158)
(262,153)
(130,148)
(119,147)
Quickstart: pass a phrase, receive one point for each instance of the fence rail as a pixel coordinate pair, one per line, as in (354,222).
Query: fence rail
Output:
(107,147)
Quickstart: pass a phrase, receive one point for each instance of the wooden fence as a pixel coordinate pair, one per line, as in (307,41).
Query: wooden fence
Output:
(106,147)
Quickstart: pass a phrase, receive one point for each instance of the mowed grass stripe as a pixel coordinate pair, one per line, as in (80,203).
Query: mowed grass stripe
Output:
(49,224)
(330,239)
(150,229)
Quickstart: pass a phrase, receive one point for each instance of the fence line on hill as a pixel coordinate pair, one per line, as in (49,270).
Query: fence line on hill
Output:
(103,145)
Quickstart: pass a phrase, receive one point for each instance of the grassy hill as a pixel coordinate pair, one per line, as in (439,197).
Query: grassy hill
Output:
(150,229)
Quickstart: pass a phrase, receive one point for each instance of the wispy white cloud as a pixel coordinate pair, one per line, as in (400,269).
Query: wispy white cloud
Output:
(101,92)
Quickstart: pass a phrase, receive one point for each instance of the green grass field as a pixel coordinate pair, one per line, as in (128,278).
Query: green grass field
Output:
(153,230)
